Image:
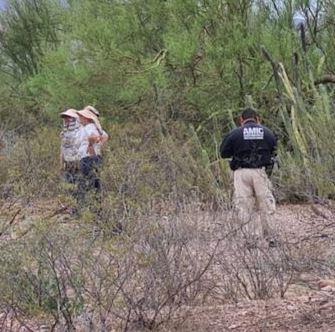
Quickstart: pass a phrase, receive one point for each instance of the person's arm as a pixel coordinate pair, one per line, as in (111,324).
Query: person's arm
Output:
(91,135)
(91,141)
(90,150)
(94,139)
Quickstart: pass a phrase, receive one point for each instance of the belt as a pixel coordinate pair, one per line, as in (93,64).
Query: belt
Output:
(260,167)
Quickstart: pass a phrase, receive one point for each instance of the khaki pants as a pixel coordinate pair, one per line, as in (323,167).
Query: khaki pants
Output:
(253,186)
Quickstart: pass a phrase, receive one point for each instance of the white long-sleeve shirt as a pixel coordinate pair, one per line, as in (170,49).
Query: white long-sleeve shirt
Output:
(86,132)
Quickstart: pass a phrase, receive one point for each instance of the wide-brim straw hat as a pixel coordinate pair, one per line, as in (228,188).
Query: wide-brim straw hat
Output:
(92,109)
(89,115)
(71,112)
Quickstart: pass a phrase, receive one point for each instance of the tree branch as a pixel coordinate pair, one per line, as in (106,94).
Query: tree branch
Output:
(325,79)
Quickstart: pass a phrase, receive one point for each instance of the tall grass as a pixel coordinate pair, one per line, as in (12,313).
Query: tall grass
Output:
(308,163)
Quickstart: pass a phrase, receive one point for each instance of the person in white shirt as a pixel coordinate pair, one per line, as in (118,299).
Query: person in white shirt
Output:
(95,112)
(70,144)
(93,137)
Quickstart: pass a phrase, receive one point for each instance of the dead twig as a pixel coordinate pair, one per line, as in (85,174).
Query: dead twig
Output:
(10,222)
(275,68)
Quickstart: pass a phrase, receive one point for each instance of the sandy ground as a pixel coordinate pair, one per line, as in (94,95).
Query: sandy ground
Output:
(308,303)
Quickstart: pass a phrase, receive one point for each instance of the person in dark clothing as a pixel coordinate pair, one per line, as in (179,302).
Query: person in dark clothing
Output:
(251,145)
(252,148)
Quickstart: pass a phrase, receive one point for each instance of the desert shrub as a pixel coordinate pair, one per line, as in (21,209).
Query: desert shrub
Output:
(245,267)
(33,164)
(307,160)
(250,270)
(134,61)
(65,279)
(143,163)
(142,277)
(44,283)
(167,263)
(142,166)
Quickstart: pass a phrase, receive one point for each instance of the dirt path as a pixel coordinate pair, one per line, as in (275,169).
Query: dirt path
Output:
(309,302)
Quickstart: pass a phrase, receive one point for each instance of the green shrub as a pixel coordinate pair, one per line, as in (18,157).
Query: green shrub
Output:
(33,164)
(142,166)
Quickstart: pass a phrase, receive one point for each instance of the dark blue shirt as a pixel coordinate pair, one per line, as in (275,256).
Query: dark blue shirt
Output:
(249,146)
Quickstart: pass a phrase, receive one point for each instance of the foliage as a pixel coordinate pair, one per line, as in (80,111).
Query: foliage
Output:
(169,79)
(28,30)
(184,64)
(33,165)
(140,278)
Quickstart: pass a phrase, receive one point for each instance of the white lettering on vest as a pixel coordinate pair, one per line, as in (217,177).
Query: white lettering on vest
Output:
(253,133)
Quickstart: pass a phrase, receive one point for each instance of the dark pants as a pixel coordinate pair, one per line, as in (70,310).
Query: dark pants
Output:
(71,175)
(89,168)
(89,185)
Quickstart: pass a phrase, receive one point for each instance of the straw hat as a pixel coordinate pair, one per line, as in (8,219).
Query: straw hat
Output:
(92,109)
(89,115)
(71,112)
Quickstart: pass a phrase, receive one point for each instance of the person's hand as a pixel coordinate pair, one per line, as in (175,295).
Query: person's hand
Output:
(90,150)
(94,139)
(104,139)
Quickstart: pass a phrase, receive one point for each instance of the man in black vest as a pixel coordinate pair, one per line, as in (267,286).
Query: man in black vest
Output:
(252,148)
